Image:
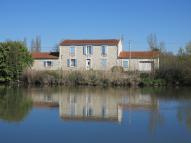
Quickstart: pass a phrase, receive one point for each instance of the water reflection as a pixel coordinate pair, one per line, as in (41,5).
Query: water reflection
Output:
(95,104)
(184,113)
(98,104)
(14,105)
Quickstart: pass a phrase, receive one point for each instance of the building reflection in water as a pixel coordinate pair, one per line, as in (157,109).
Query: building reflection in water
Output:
(92,104)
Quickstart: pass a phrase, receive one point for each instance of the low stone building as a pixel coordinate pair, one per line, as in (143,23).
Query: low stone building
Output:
(45,61)
(96,55)
(144,61)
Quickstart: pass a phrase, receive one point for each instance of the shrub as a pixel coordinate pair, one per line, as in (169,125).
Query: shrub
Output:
(92,78)
(171,76)
(144,75)
(75,78)
(117,69)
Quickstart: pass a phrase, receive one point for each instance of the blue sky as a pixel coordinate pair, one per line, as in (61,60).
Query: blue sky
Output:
(55,20)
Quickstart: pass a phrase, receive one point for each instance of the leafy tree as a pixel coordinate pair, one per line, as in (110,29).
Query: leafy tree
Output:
(14,58)
(5,74)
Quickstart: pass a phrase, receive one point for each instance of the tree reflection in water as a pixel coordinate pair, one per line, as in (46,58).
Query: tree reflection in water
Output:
(184,114)
(182,99)
(14,104)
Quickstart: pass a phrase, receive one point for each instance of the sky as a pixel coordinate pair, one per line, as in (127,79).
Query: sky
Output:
(56,20)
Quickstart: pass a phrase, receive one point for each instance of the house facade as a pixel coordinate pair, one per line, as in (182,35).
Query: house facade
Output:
(89,54)
(95,55)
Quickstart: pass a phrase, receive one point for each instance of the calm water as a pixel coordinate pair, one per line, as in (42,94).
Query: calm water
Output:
(100,115)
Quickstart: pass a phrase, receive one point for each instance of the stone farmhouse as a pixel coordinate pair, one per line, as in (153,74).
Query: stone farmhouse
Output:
(96,55)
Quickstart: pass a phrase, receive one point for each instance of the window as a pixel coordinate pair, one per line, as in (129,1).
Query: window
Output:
(103,111)
(48,64)
(87,111)
(48,98)
(125,63)
(88,50)
(90,112)
(71,62)
(104,63)
(72,50)
(104,50)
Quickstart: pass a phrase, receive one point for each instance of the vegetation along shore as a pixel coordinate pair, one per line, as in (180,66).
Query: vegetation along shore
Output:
(16,60)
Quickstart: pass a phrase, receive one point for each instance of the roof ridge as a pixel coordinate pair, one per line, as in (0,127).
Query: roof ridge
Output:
(90,41)
(93,39)
(140,51)
(138,54)
(45,55)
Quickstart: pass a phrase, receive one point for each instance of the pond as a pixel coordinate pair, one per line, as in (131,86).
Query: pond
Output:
(95,115)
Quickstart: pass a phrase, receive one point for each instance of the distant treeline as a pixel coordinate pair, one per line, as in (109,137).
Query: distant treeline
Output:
(175,68)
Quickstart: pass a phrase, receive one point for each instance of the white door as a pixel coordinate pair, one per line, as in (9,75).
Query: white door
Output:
(88,64)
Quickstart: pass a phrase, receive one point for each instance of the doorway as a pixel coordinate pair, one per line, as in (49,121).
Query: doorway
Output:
(88,64)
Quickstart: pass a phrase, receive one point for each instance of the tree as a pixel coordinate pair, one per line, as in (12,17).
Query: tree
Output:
(188,48)
(56,48)
(161,47)
(152,42)
(36,44)
(176,68)
(14,58)
(25,41)
(5,74)
(181,52)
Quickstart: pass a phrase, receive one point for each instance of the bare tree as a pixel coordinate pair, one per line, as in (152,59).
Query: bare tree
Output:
(56,48)
(188,48)
(162,47)
(181,51)
(36,44)
(25,41)
(152,42)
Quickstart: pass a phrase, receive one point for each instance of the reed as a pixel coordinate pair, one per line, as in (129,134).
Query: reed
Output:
(90,78)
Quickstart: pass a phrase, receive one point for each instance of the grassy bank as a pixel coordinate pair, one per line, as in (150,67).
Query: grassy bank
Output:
(90,78)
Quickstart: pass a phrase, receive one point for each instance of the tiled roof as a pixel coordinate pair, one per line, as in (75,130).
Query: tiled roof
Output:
(90,42)
(45,55)
(139,54)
